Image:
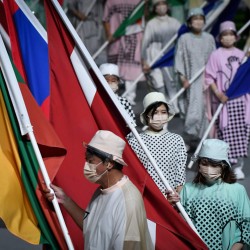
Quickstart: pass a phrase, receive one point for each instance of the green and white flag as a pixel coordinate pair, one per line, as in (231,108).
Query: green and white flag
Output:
(134,23)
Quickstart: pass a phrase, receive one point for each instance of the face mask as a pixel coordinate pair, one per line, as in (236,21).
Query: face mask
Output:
(161,10)
(114,87)
(158,121)
(198,24)
(210,173)
(228,40)
(90,174)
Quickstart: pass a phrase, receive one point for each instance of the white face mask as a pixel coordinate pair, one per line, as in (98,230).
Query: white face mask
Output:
(90,174)
(198,24)
(228,40)
(114,86)
(210,173)
(161,9)
(158,121)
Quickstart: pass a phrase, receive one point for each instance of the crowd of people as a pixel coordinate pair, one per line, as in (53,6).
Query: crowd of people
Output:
(218,206)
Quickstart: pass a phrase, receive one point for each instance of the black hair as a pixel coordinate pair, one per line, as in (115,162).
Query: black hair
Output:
(100,154)
(227,174)
(190,18)
(105,157)
(221,34)
(153,107)
(154,6)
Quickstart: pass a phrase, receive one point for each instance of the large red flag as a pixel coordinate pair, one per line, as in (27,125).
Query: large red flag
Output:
(80,106)
(51,147)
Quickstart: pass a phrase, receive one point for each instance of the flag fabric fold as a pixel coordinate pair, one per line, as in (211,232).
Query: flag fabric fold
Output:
(80,105)
(19,205)
(240,84)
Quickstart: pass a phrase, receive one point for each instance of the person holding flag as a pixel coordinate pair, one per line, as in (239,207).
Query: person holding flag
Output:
(158,32)
(115,217)
(218,206)
(110,72)
(86,17)
(192,52)
(168,149)
(126,50)
(233,125)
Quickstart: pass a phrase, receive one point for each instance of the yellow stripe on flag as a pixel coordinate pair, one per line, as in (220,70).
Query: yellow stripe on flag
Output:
(15,208)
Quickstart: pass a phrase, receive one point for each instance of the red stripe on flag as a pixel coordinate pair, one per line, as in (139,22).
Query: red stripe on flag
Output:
(9,7)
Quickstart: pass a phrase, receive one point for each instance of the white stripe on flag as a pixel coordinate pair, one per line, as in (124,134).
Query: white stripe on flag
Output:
(152,231)
(33,20)
(87,85)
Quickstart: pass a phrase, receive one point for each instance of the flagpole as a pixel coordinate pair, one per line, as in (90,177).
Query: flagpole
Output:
(86,14)
(197,74)
(5,37)
(121,109)
(26,127)
(98,52)
(215,116)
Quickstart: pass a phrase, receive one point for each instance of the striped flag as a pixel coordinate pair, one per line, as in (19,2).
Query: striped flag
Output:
(21,200)
(80,105)
(29,40)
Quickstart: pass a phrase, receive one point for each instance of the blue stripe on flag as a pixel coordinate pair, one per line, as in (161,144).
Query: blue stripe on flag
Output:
(34,50)
(240,84)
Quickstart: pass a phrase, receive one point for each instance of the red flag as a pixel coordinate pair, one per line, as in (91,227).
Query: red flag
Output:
(80,106)
(51,147)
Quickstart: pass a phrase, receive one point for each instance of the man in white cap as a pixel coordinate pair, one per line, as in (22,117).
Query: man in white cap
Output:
(110,72)
(115,217)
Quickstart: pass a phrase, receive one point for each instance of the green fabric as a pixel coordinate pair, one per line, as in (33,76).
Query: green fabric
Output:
(136,14)
(220,213)
(176,2)
(30,169)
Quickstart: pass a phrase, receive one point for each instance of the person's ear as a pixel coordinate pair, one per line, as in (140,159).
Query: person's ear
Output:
(110,165)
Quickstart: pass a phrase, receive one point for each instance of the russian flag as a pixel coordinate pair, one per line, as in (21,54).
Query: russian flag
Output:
(31,40)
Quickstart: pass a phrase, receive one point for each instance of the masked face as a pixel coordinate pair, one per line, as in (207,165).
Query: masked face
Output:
(197,23)
(90,173)
(113,82)
(158,119)
(211,173)
(228,40)
(161,9)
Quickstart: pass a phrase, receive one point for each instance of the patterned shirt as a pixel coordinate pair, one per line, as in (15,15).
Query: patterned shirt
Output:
(220,212)
(168,149)
(127,106)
